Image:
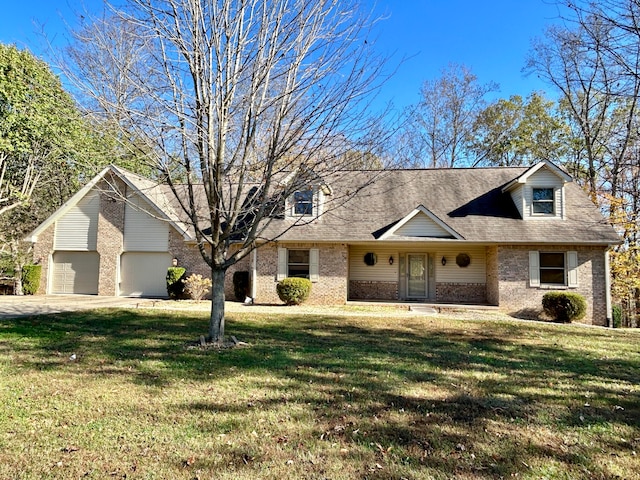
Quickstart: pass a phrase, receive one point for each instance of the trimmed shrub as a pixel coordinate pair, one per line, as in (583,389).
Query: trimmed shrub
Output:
(616,315)
(241,285)
(175,282)
(197,286)
(564,306)
(31,279)
(294,291)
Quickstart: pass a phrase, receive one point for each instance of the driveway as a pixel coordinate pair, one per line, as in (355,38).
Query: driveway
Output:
(23,306)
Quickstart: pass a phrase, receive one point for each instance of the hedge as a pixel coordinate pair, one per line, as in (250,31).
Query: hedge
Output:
(31,279)
(564,306)
(294,291)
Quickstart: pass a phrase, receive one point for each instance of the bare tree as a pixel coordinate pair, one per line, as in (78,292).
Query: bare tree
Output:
(440,125)
(228,96)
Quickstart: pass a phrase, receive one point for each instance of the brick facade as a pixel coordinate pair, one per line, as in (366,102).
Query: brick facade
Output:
(331,289)
(372,290)
(517,297)
(472,293)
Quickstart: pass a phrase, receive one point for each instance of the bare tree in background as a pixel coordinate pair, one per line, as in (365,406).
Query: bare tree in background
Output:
(227,95)
(439,127)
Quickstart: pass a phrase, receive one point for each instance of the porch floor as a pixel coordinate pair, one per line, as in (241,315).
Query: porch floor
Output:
(425,306)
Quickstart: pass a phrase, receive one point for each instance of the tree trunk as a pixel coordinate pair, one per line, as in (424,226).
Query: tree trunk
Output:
(216,322)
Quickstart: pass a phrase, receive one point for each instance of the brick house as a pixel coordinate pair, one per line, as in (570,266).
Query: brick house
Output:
(500,236)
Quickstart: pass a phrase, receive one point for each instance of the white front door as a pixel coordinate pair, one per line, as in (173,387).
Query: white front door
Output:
(416,276)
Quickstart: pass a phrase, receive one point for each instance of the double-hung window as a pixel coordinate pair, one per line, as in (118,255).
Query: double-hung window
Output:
(298,262)
(543,201)
(553,269)
(303,202)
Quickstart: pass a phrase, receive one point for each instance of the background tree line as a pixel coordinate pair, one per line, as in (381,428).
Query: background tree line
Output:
(149,98)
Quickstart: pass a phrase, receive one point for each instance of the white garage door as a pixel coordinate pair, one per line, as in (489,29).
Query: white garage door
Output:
(76,272)
(143,274)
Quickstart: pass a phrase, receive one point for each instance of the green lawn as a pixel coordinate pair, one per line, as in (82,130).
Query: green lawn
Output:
(316,397)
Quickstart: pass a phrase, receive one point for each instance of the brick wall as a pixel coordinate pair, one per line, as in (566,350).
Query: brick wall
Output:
(110,242)
(473,293)
(42,252)
(518,298)
(493,286)
(331,289)
(372,290)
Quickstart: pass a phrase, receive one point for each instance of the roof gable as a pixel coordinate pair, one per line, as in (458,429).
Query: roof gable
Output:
(146,189)
(545,164)
(421,223)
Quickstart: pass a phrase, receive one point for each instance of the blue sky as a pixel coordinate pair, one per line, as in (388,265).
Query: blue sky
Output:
(492,37)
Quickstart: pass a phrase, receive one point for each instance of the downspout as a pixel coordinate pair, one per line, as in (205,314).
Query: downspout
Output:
(254,274)
(607,286)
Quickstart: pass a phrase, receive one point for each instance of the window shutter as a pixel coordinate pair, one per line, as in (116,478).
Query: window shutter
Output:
(534,269)
(282,264)
(572,269)
(314,268)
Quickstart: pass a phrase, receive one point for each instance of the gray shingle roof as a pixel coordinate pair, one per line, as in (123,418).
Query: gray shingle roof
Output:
(469,201)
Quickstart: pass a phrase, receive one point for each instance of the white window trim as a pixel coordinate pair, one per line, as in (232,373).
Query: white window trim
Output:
(552,201)
(314,203)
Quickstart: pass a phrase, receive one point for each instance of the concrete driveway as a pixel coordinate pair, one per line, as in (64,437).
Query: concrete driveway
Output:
(23,306)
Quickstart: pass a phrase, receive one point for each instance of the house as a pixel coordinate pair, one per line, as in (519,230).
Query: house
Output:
(500,236)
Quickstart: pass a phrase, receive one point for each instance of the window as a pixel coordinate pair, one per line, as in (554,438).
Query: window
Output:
(552,268)
(298,263)
(543,201)
(303,202)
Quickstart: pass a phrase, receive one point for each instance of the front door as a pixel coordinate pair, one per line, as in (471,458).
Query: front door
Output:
(416,276)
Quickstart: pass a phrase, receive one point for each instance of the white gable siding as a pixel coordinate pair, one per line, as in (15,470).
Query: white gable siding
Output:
(78,228)
(381,271)
(517,195)
(475,272)
(544,179)
(422,226)
(142,231)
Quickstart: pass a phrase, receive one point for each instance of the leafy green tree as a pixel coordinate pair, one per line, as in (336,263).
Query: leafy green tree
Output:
(514,132)
(47,148)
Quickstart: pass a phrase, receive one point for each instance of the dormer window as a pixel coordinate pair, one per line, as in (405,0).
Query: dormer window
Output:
(543,201)
(303,202)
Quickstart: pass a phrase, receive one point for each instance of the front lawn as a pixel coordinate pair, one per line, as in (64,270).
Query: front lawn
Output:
(315,397)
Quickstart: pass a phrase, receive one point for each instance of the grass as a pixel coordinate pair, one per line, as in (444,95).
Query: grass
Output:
(315,397)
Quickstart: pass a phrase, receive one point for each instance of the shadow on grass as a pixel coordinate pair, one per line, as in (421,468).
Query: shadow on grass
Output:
(490,374)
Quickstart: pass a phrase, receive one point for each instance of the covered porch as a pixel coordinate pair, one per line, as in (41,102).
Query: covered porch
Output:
(420,272)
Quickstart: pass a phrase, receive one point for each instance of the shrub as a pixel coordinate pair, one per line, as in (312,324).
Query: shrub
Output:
(564,306)
(175,282)
(616,315)
(294,291)
(31,278)
(241,285)
(197,286)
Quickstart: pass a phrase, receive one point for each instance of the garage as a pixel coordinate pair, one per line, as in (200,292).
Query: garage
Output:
(143,274)
(75,272)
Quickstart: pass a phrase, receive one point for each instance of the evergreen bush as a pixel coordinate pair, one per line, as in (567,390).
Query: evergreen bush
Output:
(175,282)
(564,306)
(294,291)
(31,279)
